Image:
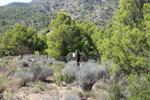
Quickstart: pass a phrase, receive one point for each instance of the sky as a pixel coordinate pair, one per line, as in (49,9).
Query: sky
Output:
(4,2)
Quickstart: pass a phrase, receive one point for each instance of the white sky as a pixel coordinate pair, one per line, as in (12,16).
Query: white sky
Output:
(4,2)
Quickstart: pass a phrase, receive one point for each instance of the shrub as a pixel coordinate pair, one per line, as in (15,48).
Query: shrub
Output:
(139,87)
(5,61)
(37,53)
(115,92)
(71,97)
(22,63)
(24,74)
(40,72)
(100,91)
(70,71)
(58,79)
(45,72)
(36,88)
(89,74)
(58,66)
(2,83)
(15,84)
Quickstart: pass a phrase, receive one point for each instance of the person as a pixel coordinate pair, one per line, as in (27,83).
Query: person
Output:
(78,57)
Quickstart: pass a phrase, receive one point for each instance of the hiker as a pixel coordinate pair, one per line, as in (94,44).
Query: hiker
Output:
(78,57)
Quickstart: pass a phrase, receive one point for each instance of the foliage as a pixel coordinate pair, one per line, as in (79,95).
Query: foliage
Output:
(37,53)
(68,35)
(139,87)
(21,41)
(40,71)
(115,92)
(30,16)
(71,97)
(22,62)
(64,37)
(24,74)
(58,67)
(2,83)
(126,42)
(38,16)
(89,75)
(89,44)
(70,71)
(59,79)
(36,88)
(36,72)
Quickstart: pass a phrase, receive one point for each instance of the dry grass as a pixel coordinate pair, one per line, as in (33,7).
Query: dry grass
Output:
(36,88)
(100,91)
(15,84)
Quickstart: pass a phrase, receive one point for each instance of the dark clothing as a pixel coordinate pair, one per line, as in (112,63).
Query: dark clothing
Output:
(78,59)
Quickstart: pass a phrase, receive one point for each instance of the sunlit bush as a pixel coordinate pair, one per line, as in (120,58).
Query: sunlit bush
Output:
(70,71)
(89,74)
(71,97)
(40,72)
(24,74)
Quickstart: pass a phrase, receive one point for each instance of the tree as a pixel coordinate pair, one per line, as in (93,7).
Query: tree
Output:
(90,32)
(64,38)
(126,43)
(19,41)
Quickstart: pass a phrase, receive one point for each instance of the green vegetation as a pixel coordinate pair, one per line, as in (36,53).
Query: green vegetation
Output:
(2,83)
(20,41)
(29,16)
(58,67)
(38,15)
(124,43)
(35,73)
(139,87)
(68,35)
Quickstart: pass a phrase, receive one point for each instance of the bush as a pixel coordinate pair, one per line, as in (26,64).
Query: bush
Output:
(22,63)
(36,88)
(15,84)
(70,71)
(37,53)
(71,97)
(115,92)
(139,87)
(89,74)
(40,72)
(24,74)
(58,66)
(59,78)
(5,61)
(2,83)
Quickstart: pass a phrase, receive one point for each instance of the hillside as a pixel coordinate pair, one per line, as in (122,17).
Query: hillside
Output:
(76,60)
(39,13)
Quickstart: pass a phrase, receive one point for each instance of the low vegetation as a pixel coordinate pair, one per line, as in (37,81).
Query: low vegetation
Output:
(71,97)
(89,75)
(70,71)
(2,83)
(120,55)
(24,74)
